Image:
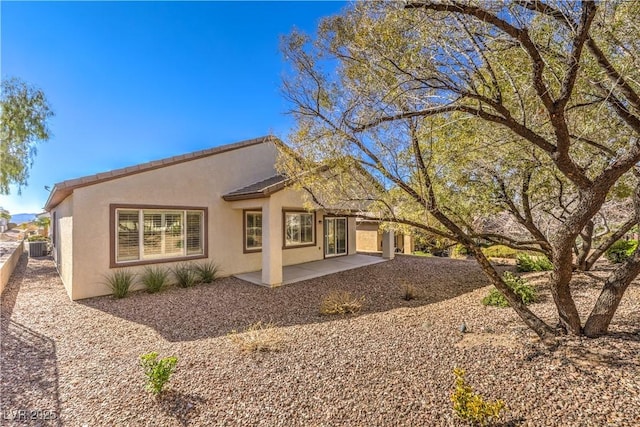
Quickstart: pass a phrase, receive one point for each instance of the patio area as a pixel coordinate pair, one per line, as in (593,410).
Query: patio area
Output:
(310,270)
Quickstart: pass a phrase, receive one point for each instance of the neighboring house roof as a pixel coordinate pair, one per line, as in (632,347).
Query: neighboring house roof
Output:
(63,189)
(259,189)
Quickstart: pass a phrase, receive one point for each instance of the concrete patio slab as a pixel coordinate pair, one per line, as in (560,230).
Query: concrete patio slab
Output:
(310,270)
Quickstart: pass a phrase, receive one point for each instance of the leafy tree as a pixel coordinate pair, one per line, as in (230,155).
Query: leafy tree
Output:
(443,114)
(24,116)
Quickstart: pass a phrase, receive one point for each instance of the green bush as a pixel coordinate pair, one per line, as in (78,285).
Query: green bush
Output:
(526,292)
(157,371)
(621,251)
(470,406)
(526,263)
(186,275)
(37,238)
(207,271)
(499,251)
(155,279)
(119,281)
(459,251)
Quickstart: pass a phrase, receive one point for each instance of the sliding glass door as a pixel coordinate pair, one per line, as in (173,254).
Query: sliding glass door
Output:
(335,236)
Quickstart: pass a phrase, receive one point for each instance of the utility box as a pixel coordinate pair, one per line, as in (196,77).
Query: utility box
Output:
(38,249)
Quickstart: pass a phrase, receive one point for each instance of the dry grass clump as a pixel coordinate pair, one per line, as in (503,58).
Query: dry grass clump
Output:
(409,292)
(341,302)
(259,337)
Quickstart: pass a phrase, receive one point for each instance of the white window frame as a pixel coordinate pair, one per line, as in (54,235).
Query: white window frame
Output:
(246,229)
(299,243)
(145,258)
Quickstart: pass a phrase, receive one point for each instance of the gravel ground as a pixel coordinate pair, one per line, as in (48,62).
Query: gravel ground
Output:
(390,365)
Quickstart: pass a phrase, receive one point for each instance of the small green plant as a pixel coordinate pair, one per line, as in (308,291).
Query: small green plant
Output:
(207,271)
(38,238)
(341,302)
(470,406)
(499,251)
(519,285)
(259,337)
(422,253)
(409,292)
(157,371)
(459,252)
(186,275)
(119,281)
(621,251)
(155,278)
(526,262)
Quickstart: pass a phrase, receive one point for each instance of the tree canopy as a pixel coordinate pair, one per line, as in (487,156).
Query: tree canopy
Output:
(24,116)
(443,115)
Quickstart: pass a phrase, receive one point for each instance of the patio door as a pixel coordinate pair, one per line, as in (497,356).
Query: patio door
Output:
(335,236)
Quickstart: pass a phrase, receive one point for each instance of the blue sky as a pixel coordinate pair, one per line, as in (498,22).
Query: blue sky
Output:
(131,82)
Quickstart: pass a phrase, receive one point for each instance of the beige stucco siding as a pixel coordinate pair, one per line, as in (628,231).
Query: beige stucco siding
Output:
(198,183)
(286,199)
(84,233)
(63,249)
(368,238)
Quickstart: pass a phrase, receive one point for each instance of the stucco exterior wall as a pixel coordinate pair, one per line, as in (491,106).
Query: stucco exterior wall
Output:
(368,239)
(83,250)
(63,239)
(8,262)
(197,183)
(286,199)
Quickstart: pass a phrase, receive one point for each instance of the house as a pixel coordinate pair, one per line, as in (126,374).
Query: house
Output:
(226,204)
(370,237)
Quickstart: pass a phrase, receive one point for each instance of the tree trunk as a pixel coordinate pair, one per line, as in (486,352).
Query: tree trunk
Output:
(546,333)
(585,247)
(615,286)
(569,319)
(600,250)
(609,299)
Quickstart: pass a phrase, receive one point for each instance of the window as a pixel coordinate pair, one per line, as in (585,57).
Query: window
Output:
(143,235)
(299,229)
(252,231)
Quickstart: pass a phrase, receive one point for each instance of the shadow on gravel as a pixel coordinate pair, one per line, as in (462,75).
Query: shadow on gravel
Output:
(28,360)
(183,407)
(29,373)
(206,311)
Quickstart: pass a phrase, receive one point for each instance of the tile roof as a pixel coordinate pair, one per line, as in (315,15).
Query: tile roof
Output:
(63,189)
(258,189)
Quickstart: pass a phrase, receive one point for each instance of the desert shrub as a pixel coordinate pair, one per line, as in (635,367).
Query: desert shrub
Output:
(119,281)
(157,371)
(207,271)
(155,278)
(621,251)
(526,262)
(459,251)
(422,253)
(499,251)
(186,276)
(38,238)
(409,292)
(341,302)
(519,285)
(471,406)
(259,337)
